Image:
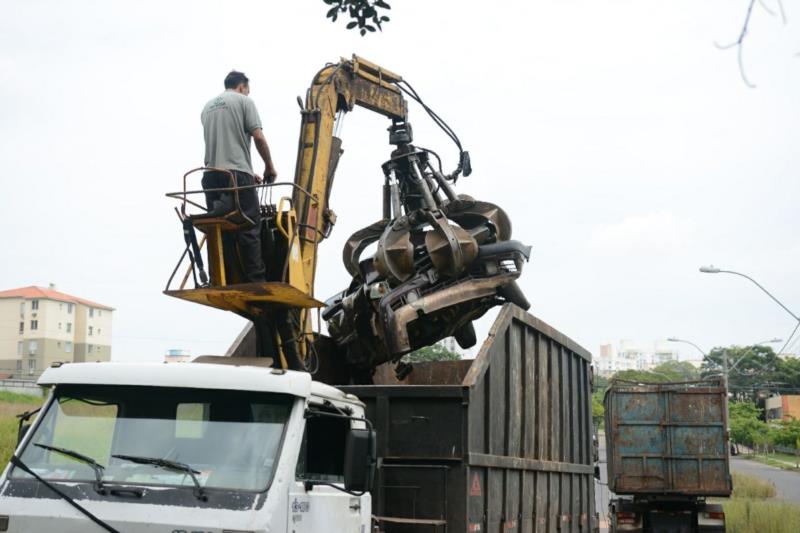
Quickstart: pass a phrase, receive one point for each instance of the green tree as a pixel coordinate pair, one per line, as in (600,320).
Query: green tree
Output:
(744,410)
(365,15)
(436,352)
(598,410)
(787,372)
(753,366)
(745,426)
(663,373)
(640,376)
(678,371)
(786,433)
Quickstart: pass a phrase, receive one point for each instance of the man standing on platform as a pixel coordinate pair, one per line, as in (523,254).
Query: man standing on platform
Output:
(230,120)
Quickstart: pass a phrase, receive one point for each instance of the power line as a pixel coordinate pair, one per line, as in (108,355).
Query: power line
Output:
(172,339)
(793,347)
(790,338)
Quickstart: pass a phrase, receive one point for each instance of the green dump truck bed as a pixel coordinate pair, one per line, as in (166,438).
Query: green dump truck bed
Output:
(667,438)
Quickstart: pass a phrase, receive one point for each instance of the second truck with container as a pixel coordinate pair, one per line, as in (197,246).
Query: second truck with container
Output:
(667,453)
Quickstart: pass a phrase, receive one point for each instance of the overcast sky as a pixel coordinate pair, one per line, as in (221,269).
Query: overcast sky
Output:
(621,141)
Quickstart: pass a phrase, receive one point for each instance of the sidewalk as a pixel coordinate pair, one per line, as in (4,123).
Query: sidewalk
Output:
(771,460)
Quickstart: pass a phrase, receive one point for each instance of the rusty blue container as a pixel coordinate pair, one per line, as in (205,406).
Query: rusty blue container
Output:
(667,438)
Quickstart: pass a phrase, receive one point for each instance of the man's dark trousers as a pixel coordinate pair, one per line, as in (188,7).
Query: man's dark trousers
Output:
(249,240)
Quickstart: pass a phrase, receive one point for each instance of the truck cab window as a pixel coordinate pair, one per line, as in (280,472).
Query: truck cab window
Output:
(322,451)
(233,438)
(86,426)
(190,420)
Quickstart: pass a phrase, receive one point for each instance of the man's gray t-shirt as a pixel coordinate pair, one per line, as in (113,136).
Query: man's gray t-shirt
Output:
(228,123)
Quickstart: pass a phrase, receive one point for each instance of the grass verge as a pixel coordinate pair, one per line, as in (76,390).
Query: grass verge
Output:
(748,487)
(750,508)
(744,515)
(785,462)
(13,397)
(11,405)
(785,457)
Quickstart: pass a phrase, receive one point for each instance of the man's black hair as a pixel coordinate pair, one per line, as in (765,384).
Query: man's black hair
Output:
(234,79)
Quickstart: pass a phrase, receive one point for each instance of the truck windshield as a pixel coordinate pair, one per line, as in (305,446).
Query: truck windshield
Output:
(231,439)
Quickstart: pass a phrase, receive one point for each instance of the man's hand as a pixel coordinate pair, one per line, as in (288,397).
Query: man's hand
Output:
(258,179)
(263,150)
(270,174)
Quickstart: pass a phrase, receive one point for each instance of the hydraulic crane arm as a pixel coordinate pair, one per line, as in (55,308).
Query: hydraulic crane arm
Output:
(337,88)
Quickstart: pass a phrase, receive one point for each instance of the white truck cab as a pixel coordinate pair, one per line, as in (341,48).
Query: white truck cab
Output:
(190,448)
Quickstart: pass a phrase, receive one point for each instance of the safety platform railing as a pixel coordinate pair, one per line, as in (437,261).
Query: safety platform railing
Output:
(196,216)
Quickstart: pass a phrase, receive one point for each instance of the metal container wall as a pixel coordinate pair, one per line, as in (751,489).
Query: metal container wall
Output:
(500,443)
(667,438)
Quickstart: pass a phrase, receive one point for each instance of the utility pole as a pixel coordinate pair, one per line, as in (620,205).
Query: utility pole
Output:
(714,270)
(725,371)
(726,367)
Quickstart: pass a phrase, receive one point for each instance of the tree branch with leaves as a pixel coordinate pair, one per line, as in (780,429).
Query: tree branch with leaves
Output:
(367,15)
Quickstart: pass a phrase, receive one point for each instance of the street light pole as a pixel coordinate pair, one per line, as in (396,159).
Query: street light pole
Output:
(714,270)
(690,343)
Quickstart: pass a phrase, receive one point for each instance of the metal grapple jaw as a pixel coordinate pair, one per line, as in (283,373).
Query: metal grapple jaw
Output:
(434,272)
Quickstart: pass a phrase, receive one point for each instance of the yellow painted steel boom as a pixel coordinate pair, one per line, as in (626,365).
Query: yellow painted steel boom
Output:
(336,88)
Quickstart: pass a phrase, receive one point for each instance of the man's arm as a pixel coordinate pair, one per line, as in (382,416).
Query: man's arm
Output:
(263,150)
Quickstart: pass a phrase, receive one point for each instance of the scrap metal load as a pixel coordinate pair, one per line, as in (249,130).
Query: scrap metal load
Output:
(441,262)
(442,259)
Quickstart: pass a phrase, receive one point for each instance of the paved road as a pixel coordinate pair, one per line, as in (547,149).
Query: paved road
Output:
(786,482)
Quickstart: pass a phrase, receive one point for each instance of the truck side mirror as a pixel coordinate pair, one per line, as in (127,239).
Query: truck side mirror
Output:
(24,423)
(359,460)
(22,431)
(597,472)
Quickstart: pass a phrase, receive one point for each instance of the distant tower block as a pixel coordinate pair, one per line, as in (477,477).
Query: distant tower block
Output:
(177,356)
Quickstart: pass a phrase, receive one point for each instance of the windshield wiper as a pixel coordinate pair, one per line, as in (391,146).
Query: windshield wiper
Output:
(99,469)
(166,464)
(17,462)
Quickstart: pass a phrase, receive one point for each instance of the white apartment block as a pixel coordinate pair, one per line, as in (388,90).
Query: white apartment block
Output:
(39,327)
(630,355)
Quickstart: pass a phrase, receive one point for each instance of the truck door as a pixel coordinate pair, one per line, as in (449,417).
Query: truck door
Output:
(317,501)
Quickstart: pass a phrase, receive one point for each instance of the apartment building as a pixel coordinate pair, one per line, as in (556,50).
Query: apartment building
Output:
(782,407)
(40,326)
(630,355)
(664,352)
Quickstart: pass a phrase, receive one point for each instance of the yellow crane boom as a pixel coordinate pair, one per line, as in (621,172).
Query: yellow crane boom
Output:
(335,89)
